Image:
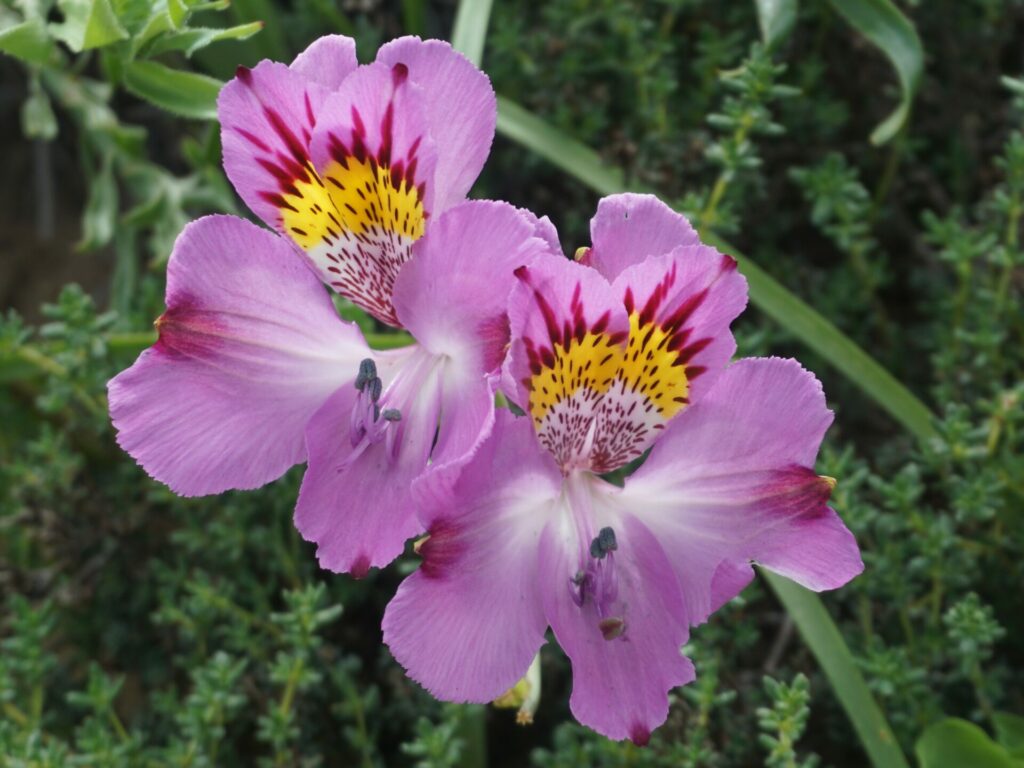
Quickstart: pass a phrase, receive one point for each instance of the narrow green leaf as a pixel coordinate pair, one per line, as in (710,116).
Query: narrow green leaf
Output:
(470,29)
(191,40)
(271,44)
(88,24)
(413,17)
(37,118)
(776,18)
(99,217)
(766,292)
(821,635)
(955,743)
(29,41)
(881,22)
(184,93)
(800,319)
(1012,84)
(1010,733)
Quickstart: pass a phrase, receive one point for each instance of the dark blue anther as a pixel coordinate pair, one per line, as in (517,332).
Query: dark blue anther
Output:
(374,388)
(367,373)
(603,543)
(391,414)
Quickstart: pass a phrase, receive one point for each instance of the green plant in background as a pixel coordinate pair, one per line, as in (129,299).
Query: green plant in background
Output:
(785,722)
(142,629)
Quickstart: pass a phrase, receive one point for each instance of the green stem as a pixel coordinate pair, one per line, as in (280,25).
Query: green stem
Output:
(472,729)
(892,163)
(833,655)
(46,364)
(1012,225)
(707,216)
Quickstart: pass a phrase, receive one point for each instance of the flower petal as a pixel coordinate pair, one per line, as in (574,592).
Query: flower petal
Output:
(467,624)
(568,337)
(461,111)
(453,295)
(376,161)
(249,348)
(680,306)
(356,501)
(628,228)
(267,116)
(624,660)
(328,61)
(731,481)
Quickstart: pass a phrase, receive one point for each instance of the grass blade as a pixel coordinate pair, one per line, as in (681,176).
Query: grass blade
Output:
(821,635)
(891,32)
(470,29)
(766,292)
(776,18)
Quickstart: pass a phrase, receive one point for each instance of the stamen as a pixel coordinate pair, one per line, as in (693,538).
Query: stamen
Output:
(371,423)
(603,543)
(612,628)
(367,373)
(375,387)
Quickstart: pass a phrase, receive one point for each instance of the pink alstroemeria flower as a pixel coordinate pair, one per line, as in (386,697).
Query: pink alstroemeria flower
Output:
(254,371)
(625,353)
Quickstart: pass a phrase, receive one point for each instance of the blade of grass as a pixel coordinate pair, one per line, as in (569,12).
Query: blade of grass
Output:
(766,292)
(776,18)
(881,22)
(470,31)
(822,636)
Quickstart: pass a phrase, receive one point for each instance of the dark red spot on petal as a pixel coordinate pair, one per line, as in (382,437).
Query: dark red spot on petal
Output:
(399,74)
(441,551)
(639,734)
(360,567)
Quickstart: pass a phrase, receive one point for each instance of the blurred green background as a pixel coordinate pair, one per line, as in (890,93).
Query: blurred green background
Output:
(863,155)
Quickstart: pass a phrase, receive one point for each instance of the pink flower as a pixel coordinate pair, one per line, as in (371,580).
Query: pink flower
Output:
(363,171)
(623,353)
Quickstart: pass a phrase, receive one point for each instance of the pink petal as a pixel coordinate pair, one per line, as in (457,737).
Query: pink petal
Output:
(250,347)
(461,111)
(680,305)
(267,116)
(328,61)
(467,624)
(376,160)
(732,481)
(628,228)
(453,295)
(626,658)
(356,502)
(568,335)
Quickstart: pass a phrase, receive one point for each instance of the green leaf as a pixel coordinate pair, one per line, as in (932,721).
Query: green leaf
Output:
(776,19)
(100,214)
(29,41)
(955,743)
(766,292)
(271,44)
(88,24)
(191,40)
(821,635)
(470,29)
(37,118)
(1010,733)
(412,17)
(888,29)
(184,93)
